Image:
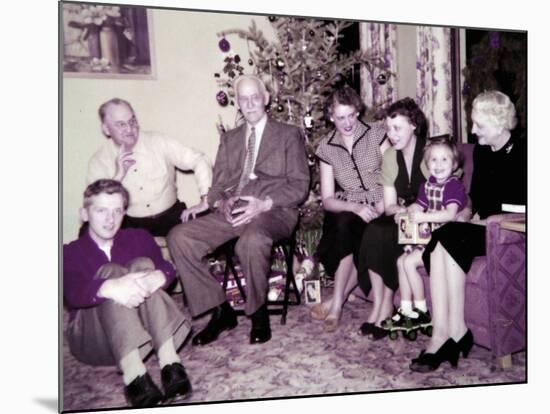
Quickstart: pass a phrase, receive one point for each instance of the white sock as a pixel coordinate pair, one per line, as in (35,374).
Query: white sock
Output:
(167,353)
(406,307)
(407,310)
(421,305)
(131,366)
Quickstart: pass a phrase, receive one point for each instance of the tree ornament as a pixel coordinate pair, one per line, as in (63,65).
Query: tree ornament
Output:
(338,78)
(272,18)
(222,98)
(280,108)
(311,33)
(382,79)
(308,120)
(280,63)
(250,62)
(224,45)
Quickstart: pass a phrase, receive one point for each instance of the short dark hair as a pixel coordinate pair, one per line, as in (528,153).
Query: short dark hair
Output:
(444,141)
(408,108)
(106,186)
(343,95)
(114,101)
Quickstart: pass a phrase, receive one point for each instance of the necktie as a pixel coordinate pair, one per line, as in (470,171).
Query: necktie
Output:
(249,162)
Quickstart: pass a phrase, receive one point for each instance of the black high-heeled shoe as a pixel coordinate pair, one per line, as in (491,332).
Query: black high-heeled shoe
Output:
(466,343)
(427,362)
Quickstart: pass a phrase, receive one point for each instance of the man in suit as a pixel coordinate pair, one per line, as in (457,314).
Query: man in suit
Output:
(261,176)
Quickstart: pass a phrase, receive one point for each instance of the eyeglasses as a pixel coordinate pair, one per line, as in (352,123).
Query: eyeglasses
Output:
(247,100)
(121,125)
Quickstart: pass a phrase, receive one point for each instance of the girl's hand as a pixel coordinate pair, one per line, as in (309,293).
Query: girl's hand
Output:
(398,210)
(417,217)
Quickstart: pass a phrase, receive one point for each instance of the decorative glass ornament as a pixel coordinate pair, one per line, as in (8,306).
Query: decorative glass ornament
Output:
(382,79)
(222,98)
(224,45)
(280,63)
(308,120)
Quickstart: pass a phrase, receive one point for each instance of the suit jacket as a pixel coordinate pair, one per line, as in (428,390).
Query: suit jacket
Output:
(281,166)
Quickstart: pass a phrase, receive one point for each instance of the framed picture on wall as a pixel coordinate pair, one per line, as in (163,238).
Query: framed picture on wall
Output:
(101,41)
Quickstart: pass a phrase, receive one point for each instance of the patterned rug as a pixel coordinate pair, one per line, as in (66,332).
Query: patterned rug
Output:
(300,360)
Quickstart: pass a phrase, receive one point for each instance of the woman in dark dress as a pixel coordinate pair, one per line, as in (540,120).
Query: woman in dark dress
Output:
(403,170)
(350,159)
(499,176)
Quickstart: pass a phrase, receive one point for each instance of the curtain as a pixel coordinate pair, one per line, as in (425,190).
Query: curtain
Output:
(379,40)
(433,78)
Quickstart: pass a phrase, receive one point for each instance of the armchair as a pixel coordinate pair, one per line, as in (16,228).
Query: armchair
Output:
(495,297)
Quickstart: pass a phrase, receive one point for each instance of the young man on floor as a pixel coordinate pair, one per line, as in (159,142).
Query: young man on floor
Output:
(113,284)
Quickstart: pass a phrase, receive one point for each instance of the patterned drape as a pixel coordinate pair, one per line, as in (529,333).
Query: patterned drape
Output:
(377,87)
(433,77)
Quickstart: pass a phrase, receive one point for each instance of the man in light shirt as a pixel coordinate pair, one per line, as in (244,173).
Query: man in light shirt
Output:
(261,176)
(146,162)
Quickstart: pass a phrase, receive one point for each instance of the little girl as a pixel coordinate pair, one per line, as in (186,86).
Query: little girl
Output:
(438,202)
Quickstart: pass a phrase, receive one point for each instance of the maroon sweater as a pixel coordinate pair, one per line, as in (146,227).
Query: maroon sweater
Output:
(82,259)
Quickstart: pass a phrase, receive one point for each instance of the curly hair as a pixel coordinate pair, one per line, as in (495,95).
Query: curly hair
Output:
(408,108)
(106,186)
(497,108)
(343,95)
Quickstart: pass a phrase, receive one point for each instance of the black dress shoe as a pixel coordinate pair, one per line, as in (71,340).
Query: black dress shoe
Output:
(466,343)
(175,382)
(223,318)
(379,333)
(367,328)
(142,392)
(427,362)
(261,329)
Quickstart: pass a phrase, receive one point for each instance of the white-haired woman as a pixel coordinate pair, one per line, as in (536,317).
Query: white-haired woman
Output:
(499,176)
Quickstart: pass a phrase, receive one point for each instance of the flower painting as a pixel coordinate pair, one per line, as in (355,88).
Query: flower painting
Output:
(106,41)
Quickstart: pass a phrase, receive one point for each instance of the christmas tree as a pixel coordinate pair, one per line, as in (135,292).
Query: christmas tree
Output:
(498,61)
(300,69)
